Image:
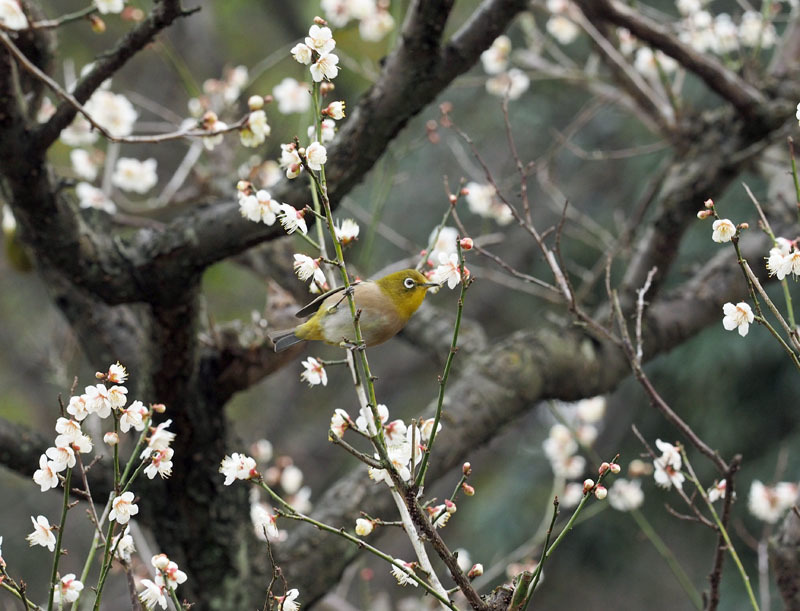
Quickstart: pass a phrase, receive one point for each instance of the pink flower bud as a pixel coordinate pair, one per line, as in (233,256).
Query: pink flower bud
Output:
(111,438)
(468,490)
(450,506)
(601,492)
(475,571)
(709,203)
(466,243)
(320,21)
(453,199)
(588,484)
(603,468)
(466,468)
(743,226)
(159,408)
(704,214)
(615,468)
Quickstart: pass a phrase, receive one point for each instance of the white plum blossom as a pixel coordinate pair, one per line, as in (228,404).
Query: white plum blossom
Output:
(212,124)
(726,34)
(290,160)
(346,231)
(288,602)
(512,84)
(738,316)
(335,110)
(308,268)
(133,417)
(160,464)
(291,479)
(259,207)
(67,590)
(314,372)
(123,507)
(770,503)
(168,573)
(480,198)
(723,230)
(82,164)
(668,466)
(11,15)
(648,63)
(320,39)
(626,495)
(561,28)
(237,466)
(257,129)
(117,396)
(78,133)
(45,476)
(445,243)
(109,6)
(495,58)
(123,545)
(61,458)
(572,495)
(403,575)
(264,522)
(42,533)
(783,259)
(326,67)
(160,439)
(327,130)
(113,112)
(376,26)
(135,175)
(448,271)
(337,12)
(292,219)
(316,156)
(152,595)
(591,410)
(754,31)
(717,491)
(365,423)
(364,527)
(687,7)
(92,197)
(291,96)
(301,53)
(77,407)
(340,422)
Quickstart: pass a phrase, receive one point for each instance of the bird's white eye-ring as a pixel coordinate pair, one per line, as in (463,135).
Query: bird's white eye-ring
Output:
(409,283)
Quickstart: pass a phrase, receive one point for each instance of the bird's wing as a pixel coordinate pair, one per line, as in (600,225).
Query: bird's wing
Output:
(312,307)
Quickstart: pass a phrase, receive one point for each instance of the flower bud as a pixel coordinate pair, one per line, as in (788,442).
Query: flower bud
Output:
(466,243)
(326,87)
(131,13)
(615,468)
(704,214)
(468,490)
(335,110)
(160,561)
(320,21)
(100,375)
(98,25)
(255,102)
(466,468)
(639,468)
(364,527)
(709,203)
(453,199)
(588,484)
(601,492)
(743,226)
(603,468)
(111,438)
(475,571)
(159,408)
(465,191)
(450,506)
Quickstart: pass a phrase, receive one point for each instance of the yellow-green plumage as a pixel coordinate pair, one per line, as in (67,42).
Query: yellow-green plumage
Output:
(386,305)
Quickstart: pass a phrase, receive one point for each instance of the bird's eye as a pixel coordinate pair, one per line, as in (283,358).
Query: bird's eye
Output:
(409,283)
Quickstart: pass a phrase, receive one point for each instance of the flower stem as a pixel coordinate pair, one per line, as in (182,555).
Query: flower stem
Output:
(61,527)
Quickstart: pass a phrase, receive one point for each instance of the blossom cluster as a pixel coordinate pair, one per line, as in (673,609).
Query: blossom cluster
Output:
(503,80)
(374,19)
(770,503)
(668,466)
(168,577)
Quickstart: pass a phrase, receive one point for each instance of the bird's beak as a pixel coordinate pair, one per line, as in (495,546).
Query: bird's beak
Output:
(430,285)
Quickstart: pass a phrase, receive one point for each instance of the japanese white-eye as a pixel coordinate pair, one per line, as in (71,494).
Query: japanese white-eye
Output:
(386,305)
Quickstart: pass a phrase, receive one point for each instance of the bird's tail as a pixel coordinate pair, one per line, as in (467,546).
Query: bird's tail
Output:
(284,339)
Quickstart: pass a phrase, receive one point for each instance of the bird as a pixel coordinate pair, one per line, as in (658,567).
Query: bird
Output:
(386,305)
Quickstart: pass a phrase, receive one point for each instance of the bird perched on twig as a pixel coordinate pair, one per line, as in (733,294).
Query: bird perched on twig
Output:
(386,305)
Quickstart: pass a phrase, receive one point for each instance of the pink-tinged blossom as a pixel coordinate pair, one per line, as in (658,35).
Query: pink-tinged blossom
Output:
(160,463)
(395,432)
(117,374)
(237,466)
(117,396)
(365,423)
(133,417)
(316,156)
(123,507)
(11,15)
(512,84)
(289,601)
(314,372)
(770,503)
(152,595)
(738,316)
(364,527)
(292,219)
(78,407)
(495,58)
(45,476)
(97,400)
(717,491)
(403,575)
(92,197)
(723,230)
(61,457)
(67,590)
(668,466)
(42,533)
(346,231)
(264,522)
(340,422)
(160,439)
